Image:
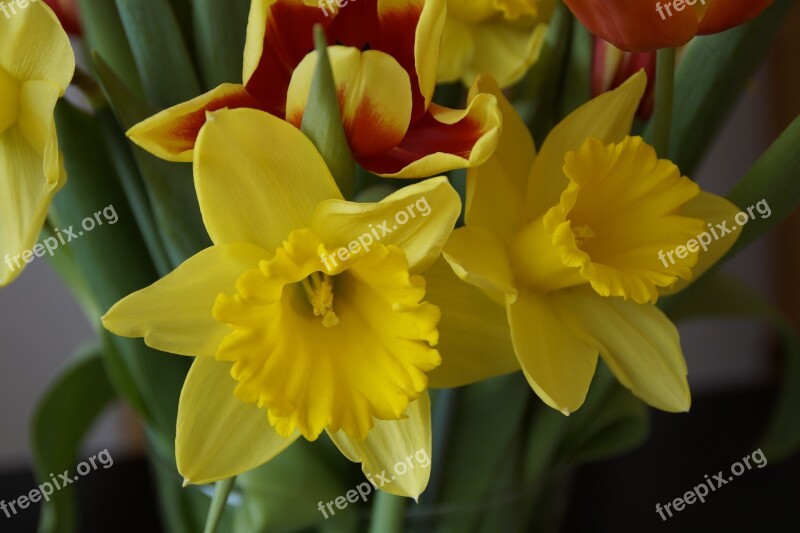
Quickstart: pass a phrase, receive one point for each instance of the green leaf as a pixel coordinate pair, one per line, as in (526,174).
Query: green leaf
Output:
(220,29)
(487,426)
(283,495)
(114,262)
(536,97)
(775,178)
(160,53)
(103,32)
(710,79)
(723,295)
(63,416)
(577,76)
(170,185)
(322,120)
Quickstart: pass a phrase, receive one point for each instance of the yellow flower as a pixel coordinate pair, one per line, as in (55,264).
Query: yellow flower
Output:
(36,66)
(296,329)
(568,241)
(502,38)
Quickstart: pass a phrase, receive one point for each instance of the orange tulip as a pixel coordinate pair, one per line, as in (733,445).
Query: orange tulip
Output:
(642,26)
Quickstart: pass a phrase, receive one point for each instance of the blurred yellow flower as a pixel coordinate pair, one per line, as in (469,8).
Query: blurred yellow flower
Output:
(568,240)
(501,38)
(36,66)
(287,346)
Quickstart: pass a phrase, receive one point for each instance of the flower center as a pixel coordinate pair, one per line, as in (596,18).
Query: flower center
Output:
(311,376)
(9,103)
(319,291)
(621,206)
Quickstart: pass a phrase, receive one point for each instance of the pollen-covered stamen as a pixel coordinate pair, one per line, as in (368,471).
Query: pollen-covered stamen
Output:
(319,291)
(582,235)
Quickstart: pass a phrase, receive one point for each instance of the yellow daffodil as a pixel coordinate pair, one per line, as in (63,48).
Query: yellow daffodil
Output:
(36,66)
(384,66)
(568,240)
(298,322)
(502,38)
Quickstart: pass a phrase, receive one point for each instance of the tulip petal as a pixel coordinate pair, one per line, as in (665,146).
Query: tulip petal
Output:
(608,118)
(637,26)
(35,47)
(443,140)
(374,93)
(172,133)
(174,314)
(435,207)
(391,442)
(725,14)
(557,364)
(218,435)
(251,194)
(279,35)
(474,338)
(712,209)
(480,259)
(637,341)
(496,190)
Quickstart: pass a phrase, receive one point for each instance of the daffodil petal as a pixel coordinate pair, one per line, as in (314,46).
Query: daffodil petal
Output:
(219,436)
(172,133)
(374,92)
(474,338)
(457,49)
(712,209)
(37,103)
(257,178)
(391,442)
(607,118)
(557,364)
(480,259)
(505,51)
(496,190)
(637,341)
(418,219)
(174,314)
(25,195)
(35,47)
(442,140)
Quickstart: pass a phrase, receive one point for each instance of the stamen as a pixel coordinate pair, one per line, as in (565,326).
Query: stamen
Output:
(319,291)
(582,235)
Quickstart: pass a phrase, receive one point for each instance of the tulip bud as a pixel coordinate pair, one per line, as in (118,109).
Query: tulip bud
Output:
(612,66)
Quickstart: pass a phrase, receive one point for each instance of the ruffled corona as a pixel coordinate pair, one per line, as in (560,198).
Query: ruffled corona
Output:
(622,206)
(329,351)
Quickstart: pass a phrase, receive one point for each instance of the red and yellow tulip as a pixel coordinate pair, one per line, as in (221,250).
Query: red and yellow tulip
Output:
(384,61)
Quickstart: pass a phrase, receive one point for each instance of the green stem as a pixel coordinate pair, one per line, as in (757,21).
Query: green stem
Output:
(665,88)
(388,514)
(221,492)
